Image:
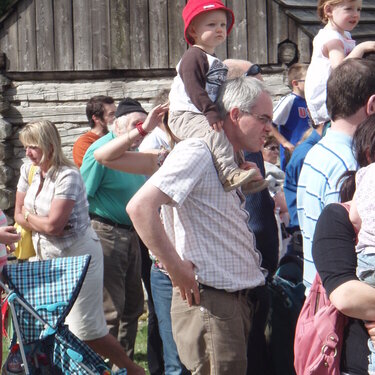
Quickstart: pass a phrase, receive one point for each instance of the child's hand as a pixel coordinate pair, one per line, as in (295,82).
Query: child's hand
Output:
(247,165)
(218,126)
(9,235)
(364,47)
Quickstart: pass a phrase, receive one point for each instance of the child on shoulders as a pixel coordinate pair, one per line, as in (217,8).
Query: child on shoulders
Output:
(200,74)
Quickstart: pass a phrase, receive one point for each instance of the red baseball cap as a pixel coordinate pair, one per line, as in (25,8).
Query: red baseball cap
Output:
(195,7)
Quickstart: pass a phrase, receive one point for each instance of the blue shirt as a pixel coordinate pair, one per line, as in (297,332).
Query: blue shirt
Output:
(317,186)
(292,172)
(291,117)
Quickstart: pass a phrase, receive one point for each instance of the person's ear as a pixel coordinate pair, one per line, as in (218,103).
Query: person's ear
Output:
(96,119)
(328,10)
(191,33)
(370,106)
(234,114)
(294,82)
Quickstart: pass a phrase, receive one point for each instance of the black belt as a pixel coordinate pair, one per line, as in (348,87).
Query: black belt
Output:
(110,222)
(251,293)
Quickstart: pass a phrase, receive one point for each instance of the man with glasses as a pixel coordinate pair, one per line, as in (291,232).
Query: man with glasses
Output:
(205,243)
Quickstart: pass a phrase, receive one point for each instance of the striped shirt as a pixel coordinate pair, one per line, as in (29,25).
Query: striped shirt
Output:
(206,225)
(65,183)
(317,186)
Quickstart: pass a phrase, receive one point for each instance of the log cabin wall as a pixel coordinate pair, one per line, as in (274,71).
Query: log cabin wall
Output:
(102,35)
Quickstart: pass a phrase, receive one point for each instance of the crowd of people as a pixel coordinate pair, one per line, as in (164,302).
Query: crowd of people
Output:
(205,195)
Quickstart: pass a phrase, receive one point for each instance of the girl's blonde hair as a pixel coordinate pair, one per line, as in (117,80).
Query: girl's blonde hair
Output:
(322,4)
(44,134)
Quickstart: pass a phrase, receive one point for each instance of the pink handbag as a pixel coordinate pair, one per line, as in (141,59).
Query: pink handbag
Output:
(319,334)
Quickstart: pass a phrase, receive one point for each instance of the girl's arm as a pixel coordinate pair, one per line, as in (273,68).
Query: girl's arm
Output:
(334,50)
(361,49)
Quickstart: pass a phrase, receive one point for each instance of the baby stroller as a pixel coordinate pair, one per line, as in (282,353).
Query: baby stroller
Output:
(40,296)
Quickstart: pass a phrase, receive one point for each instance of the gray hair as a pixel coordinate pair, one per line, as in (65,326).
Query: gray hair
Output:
(241,92)
(122,122)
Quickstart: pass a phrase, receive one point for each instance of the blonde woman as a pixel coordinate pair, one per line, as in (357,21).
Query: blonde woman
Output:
(55,208)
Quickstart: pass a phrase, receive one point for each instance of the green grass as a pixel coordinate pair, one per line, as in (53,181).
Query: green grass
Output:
(140,350)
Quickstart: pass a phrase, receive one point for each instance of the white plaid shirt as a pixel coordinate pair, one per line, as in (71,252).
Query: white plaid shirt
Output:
(206,225)
(66,183)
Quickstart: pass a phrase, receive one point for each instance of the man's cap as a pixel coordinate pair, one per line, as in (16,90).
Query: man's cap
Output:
(195,7)
(129,105)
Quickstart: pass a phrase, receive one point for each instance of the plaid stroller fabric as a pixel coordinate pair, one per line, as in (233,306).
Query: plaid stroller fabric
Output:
(50,287)
(41,294)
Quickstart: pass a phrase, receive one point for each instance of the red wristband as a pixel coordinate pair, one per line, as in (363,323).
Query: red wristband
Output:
(141,131)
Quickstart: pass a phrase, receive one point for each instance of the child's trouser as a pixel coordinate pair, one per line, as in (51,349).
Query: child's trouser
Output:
(185,124)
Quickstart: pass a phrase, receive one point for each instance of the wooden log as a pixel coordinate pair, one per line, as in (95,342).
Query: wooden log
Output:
(82,34)
(139,40)
(63,34)
(64,92)
(120,34)
(100,34)
(277,30)
(177,43)
(9,41)
(257,43)
(5,129)
(44,35)
(22,115)
(4,106)
(7,198)
(6,174)
(237,39)
(2,61)
(26,36)
(6,151)
(158,16)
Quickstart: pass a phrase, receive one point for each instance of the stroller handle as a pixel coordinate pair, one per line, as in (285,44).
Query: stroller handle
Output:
(52,307)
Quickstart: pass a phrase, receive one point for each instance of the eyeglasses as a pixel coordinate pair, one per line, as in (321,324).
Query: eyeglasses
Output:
(272,148)
(264,119)
(300,80)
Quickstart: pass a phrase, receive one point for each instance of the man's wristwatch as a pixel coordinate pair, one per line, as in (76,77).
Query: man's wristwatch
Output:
(26,216)
(253,70)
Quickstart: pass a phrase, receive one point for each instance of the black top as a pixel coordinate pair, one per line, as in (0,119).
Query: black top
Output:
(335,259)
(262,219)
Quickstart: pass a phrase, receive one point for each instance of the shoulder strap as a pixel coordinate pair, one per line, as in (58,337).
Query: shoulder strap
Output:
(32,171)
